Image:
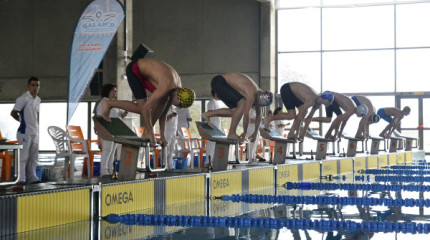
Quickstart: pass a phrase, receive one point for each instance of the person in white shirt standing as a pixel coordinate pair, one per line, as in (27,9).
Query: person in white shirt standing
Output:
(213,104)
(252,147)
(26,111)
(184,118)
(109,92)
(170,133)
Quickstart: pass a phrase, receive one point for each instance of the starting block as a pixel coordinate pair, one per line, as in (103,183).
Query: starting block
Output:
(321,152)
(352,145)
(281,144)
(222,144)
(376,141)
(408,143)
(396,143)
(118,132)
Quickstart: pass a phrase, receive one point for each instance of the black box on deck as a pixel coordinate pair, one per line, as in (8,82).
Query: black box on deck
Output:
(141,52)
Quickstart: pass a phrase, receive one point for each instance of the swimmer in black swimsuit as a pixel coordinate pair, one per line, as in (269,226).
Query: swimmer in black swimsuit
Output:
(239,92)
(298,98)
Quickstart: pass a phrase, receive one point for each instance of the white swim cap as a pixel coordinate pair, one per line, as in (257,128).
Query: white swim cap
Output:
(362,109)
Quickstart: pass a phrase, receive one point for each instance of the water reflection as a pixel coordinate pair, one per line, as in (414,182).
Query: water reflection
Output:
(106,230)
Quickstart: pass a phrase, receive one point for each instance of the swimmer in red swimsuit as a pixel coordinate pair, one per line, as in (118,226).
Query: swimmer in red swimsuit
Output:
(165,86)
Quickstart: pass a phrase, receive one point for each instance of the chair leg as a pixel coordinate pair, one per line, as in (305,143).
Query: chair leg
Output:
(201,158)
(72,167)
(84,167)
(88,164)
(91,166)
(66,172)
(8,167)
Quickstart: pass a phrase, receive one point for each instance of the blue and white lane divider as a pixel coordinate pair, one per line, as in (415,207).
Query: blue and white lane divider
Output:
(270,223)
(357,187)
(326,200)
(394,172)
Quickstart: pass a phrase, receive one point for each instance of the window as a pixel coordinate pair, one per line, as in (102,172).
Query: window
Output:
(413,25)
(196,111)
(412,70)
(8,125)
(299,25)
(300,67)
(55,114)
(358,28)
(359,71)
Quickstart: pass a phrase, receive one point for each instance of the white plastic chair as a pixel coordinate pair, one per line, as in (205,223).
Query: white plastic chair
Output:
(63,150)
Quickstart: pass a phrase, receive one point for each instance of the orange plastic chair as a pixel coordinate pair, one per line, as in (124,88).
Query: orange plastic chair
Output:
(272,147)
(203,143)
(75,132)
(6,169)
(242,149)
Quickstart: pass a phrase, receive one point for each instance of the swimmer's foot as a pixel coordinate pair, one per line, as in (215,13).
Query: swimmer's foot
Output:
(234,137)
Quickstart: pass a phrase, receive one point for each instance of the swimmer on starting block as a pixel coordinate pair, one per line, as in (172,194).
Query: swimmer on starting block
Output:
(164,83)
(393,116)
(301,96)
(369,118)
(341,102)
(239,92)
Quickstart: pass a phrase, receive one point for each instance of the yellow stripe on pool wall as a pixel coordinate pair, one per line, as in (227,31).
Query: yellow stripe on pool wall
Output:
(289,173)
(124,198)
(408,157)
(392,159)
(346,165)
(261,178)
(52,209)
(185,189)
(401,158)
(359,163)
(311,170)
(372,161)
(329,167)
(383,160)
(226,183)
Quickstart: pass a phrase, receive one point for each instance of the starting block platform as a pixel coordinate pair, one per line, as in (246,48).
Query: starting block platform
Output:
(374,149)
(281,144)
(352,144)
(396,143)
(321,152)
(118,132)
(222,145)
(408,141)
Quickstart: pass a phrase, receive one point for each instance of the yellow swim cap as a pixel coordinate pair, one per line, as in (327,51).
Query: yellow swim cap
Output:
(186,97)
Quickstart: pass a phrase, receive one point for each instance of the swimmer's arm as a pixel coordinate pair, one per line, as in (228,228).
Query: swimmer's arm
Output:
(148,106)
(162,122)
(308,120)
(257,120)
